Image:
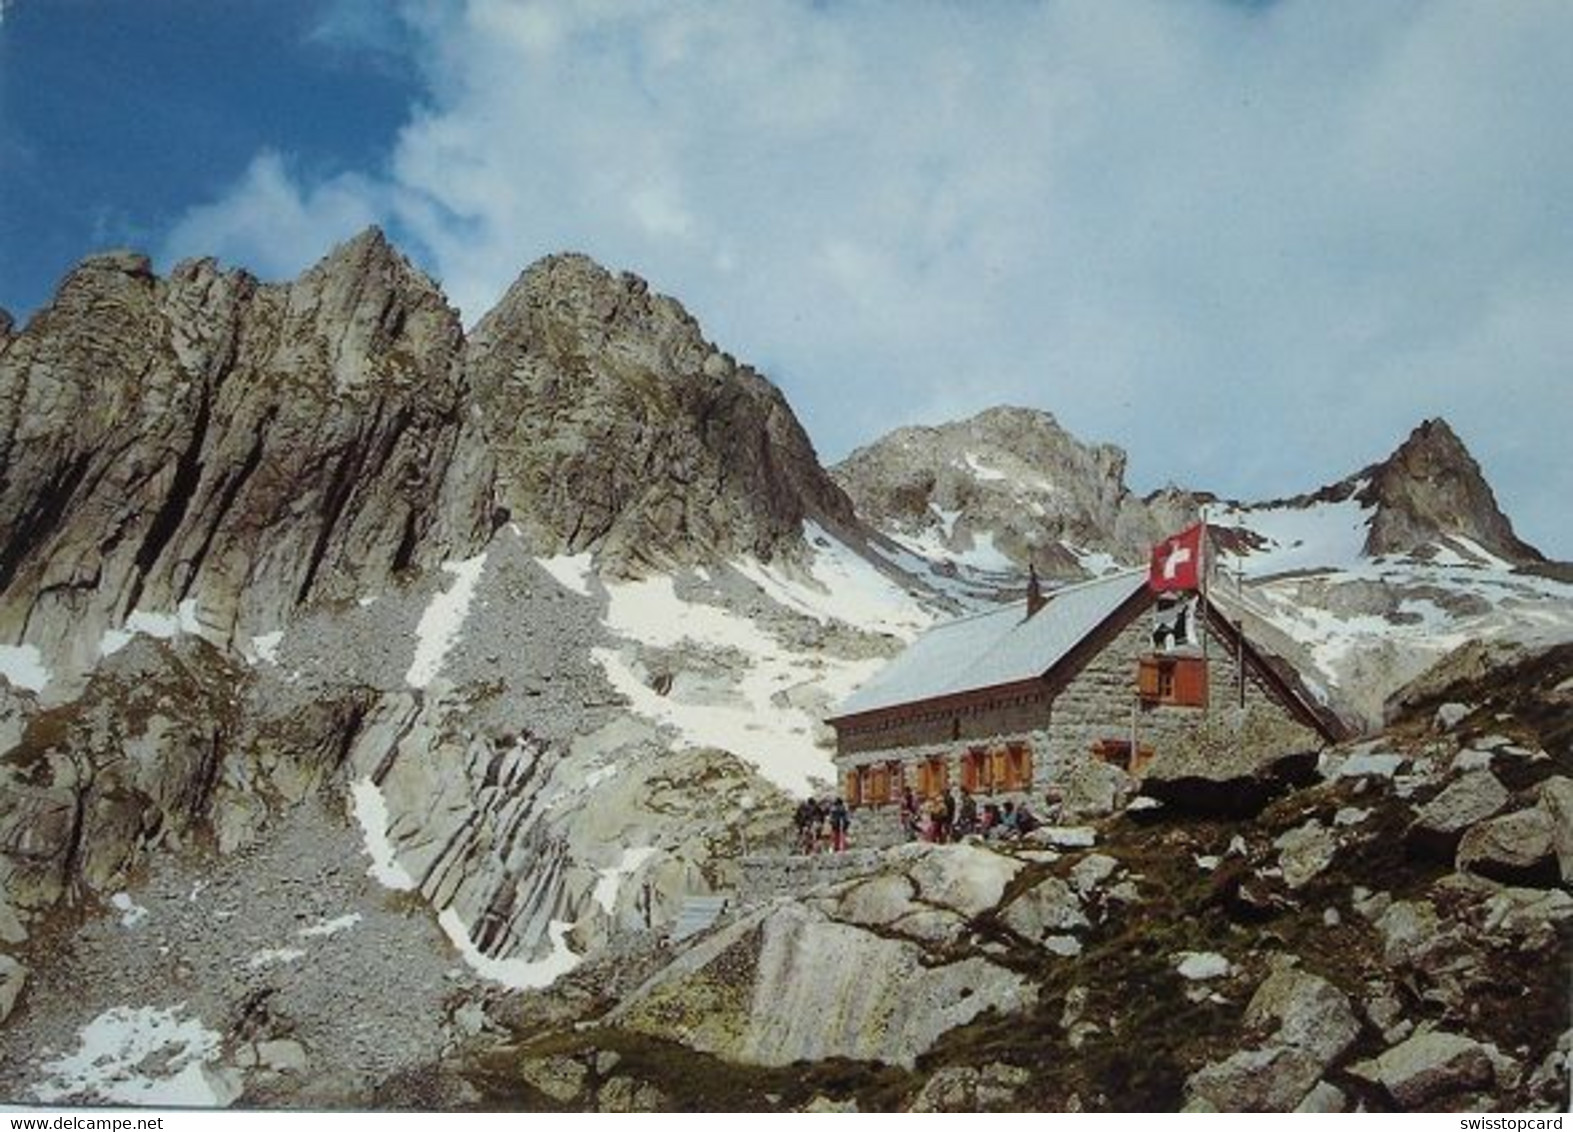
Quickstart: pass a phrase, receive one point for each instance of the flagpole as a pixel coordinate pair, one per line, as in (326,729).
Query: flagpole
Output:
(1203,562)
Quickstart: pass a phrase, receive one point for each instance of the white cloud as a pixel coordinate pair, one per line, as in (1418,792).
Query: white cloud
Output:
(270,224)
(1253,244)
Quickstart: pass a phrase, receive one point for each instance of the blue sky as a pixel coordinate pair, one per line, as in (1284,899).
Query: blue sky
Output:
(1252,244)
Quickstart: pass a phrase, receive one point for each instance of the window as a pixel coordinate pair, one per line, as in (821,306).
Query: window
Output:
(878,783)
(1118,752)
(1018,767)
(1176,680)
(854,788)
(932,777)
(975,770)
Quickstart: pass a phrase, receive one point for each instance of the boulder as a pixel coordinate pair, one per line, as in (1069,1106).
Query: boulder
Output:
(967,879)
(785,984)
(1049,906)
(1305,852)
(1274,1079)
(282,1055)
(1556,798)
(1324,1098)
(13,977)
(1469,799)
(1064,836)
(1231,779)
(560,1078)
(1430,1065)
(1091,871)
(966,1088)
(1410,931)
(1365,764)
(628,1094)
(1307,1012)
(1201,966)
(1094,789)
(1450,715)
(1515,848)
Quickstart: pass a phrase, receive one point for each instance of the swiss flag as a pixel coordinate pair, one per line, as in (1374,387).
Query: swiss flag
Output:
(1177,562)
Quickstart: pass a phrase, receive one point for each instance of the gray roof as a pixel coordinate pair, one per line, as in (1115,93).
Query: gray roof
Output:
(998,647)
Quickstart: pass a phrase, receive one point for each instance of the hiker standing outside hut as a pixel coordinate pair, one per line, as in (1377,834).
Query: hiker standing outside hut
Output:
(909,813)
(947,828)
(967,817)
(840,821)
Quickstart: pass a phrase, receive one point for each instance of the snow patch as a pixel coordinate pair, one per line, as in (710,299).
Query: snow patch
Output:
(440,624)
(330,927)
(981,471)
(518,974)
(1316,536)
(159,626)
(611,880)
(1096,562)
(139,1056)
(131,913)
(276,956)
(266,647)
(572,571)
(985,556)
(23,665)
(947,519)
(763,726)
(371,811)
(842,586)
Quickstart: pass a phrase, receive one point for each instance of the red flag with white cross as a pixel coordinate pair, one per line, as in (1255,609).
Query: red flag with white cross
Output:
(1177,562)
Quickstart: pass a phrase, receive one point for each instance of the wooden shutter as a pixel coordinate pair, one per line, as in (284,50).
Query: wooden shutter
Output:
(854,788)
(935,769)
(999,769)
(1018,767)
(1147,678)
(1190,682)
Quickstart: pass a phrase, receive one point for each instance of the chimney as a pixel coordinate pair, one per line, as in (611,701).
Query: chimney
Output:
(1035,598)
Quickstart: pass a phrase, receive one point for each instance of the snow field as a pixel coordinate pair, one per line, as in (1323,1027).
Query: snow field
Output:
(442,621)
(137,1056)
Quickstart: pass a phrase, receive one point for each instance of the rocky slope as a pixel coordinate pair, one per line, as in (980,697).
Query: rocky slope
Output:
(269,544)
(1393,936)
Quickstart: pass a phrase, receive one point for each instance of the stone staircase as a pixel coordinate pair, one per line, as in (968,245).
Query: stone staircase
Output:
(698,913)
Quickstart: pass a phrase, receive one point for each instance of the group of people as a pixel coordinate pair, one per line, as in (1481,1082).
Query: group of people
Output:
(822,825)
(946,817)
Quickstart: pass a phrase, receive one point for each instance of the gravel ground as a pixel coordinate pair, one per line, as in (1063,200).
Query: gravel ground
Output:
(261,946)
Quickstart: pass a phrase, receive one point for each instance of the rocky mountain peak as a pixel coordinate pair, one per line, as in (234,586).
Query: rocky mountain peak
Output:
(1431,488)
(1010,478)
(241,447)
(619,427)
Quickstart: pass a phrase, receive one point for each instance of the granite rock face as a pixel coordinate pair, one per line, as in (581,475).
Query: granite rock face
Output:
(1012,476)
(241,447)
(1430,488)
(619,428)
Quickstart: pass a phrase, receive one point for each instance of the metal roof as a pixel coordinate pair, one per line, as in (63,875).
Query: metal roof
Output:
(998,647)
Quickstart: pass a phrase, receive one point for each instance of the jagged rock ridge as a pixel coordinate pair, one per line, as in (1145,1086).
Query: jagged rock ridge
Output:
(620,428)
(1430,488)
(251,448)
(245,447)
(1012,476)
